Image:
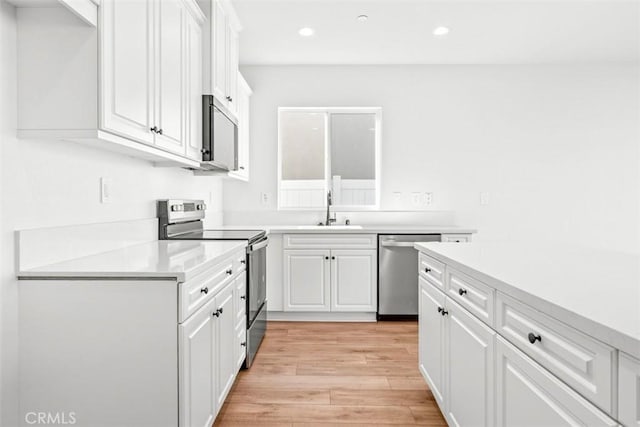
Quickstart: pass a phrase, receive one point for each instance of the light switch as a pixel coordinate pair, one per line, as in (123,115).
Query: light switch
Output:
(264,198)
(415,199)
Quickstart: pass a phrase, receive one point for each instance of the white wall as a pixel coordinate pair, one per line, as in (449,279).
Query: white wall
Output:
(555,146)
(54,183)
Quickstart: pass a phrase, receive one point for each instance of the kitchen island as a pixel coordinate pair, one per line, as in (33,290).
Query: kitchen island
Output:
(539,334)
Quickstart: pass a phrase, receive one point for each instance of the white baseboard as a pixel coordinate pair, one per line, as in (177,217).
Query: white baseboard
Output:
(299,316)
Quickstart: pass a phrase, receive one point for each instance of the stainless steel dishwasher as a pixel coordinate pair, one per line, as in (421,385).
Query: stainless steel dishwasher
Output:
(398,274)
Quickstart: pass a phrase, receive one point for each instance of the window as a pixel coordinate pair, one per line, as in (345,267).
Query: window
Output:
(329,149)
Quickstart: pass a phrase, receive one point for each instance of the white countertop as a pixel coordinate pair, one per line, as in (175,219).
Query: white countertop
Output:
(176,259)
(595,291)
(359,229)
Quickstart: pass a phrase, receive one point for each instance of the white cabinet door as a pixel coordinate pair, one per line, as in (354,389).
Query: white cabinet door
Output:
(193,93)
(244,103)
(470,370)
(219,60)
(127,68)
(431,338)
(353,280)
(306,280)
(225,343)
(232,69)
(629,391)
(528,395)
(197,368)
(170,104)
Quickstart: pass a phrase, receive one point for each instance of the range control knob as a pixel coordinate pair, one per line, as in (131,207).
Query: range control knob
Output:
(201,207)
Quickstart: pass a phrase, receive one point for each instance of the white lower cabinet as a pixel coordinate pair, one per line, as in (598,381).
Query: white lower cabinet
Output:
(506,375)
(469,367)
(629,390)
(456,356)
(224,344)
(197,364)
(353,279)
(306,280)
(337,280)
(431,338)
(529,395)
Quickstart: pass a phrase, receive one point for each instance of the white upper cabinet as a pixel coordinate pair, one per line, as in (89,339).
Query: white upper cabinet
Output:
(221,52)
(164,58)
(132,85)
(171,52)
(244,138)
(128,92)
(193,99)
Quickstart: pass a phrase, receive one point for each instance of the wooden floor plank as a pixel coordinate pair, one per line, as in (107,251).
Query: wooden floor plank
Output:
(309,374)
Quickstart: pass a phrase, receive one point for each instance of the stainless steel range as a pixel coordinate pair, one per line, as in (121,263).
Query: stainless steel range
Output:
(182,220)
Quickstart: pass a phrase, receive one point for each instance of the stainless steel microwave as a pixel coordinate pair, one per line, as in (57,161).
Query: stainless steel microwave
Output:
(220,136)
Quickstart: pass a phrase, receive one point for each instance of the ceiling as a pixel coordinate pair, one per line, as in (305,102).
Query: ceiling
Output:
(401,31)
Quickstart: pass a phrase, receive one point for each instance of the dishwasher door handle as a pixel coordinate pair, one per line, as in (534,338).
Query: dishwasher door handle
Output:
(393,244)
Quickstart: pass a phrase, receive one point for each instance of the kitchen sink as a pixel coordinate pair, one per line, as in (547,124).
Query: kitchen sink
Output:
(329,227)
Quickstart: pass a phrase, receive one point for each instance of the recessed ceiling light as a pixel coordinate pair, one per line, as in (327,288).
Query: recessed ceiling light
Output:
(362,18)
(306,32)
(440,31)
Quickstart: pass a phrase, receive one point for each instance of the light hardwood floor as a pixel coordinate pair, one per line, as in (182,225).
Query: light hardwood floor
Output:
(333,373)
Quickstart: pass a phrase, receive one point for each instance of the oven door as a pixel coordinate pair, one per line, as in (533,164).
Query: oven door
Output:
(257,286)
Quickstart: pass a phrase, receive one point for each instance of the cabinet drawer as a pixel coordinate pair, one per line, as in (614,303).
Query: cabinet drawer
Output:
(580,361)
(473,295)
(456,238)
(195,292)
(528,394)
(432,270)
(330,241)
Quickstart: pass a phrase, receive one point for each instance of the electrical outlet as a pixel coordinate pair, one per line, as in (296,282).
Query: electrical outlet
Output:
(427,199)
(106,190)
(264,198)
(415,199)
(484,198)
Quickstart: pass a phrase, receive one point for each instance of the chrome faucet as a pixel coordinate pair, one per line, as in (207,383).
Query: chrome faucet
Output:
(329,220)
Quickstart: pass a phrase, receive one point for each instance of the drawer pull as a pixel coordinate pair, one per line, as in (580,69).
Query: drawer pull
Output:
(242,261)
(462,291)
(243,297)
(427,270)
(533,338)
(244,344)
(440,309)
(444,312)
(216,313)
(230,272)
(204,290)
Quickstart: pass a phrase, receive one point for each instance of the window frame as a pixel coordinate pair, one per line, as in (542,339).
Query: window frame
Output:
(328,111)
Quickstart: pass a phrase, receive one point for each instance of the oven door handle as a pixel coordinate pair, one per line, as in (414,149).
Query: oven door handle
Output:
(258,245)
